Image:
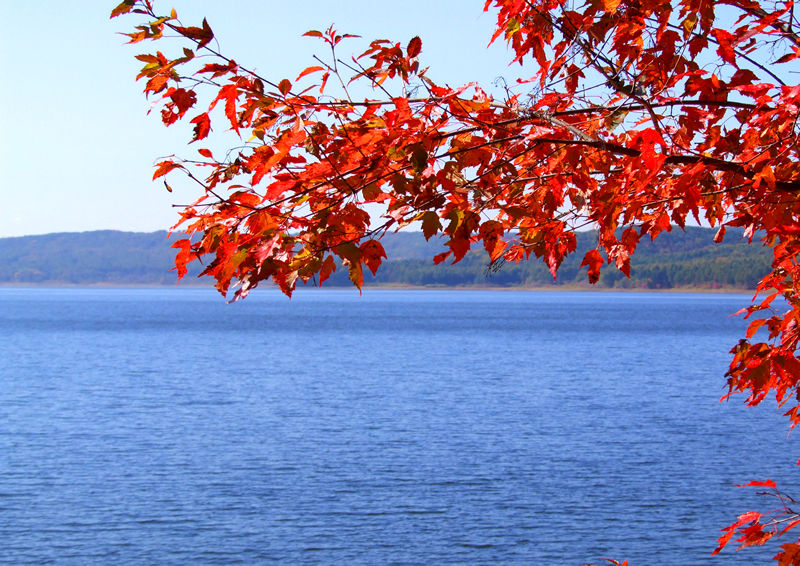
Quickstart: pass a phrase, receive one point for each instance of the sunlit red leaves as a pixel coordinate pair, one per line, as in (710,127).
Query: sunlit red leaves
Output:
(550,242)
(159,71)
(754,535)
(462,224)
(330,36)
(665,140)
(389,62)
(152,64)
(754,529)
(181,100)
(153,30)
(748,527)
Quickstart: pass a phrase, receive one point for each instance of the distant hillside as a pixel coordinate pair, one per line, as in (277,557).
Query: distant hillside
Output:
(677,259)
(105,256)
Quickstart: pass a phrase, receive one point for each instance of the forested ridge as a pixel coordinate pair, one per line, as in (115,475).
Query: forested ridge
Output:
(680,259)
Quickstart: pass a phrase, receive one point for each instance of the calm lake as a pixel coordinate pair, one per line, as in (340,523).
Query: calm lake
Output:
(163,426)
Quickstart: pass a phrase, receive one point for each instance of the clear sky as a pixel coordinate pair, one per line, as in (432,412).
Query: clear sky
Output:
(77,147)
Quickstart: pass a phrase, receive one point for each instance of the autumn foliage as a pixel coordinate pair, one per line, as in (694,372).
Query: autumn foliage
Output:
(629,117)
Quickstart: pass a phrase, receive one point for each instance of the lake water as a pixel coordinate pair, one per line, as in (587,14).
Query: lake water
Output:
(163,426)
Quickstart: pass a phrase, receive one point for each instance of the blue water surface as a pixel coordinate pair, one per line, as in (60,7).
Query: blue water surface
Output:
(163,426)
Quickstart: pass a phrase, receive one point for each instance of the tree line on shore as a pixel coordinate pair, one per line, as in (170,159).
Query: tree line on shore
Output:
(681,259)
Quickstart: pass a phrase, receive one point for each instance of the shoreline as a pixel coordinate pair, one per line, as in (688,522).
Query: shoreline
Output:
(390,287)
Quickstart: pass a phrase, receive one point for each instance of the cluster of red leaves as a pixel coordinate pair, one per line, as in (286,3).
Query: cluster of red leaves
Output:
(754,528)
(635,116)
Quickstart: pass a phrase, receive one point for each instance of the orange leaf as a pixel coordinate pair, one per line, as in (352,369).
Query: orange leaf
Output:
(439,258)
(789,556)
(157,83)
(372,253)
(218,70)
(165,167)
(123,8)
(328,267)
(430,224)
(229,93)
(356,274)
(185,255)
(724,540)
(183,99)
(202,126)
(308,71)
(753,327)
(594,261)
(202,36)
(755,535)
(491,233)
(790,526)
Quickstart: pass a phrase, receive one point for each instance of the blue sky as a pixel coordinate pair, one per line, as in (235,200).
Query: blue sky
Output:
(77,147)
